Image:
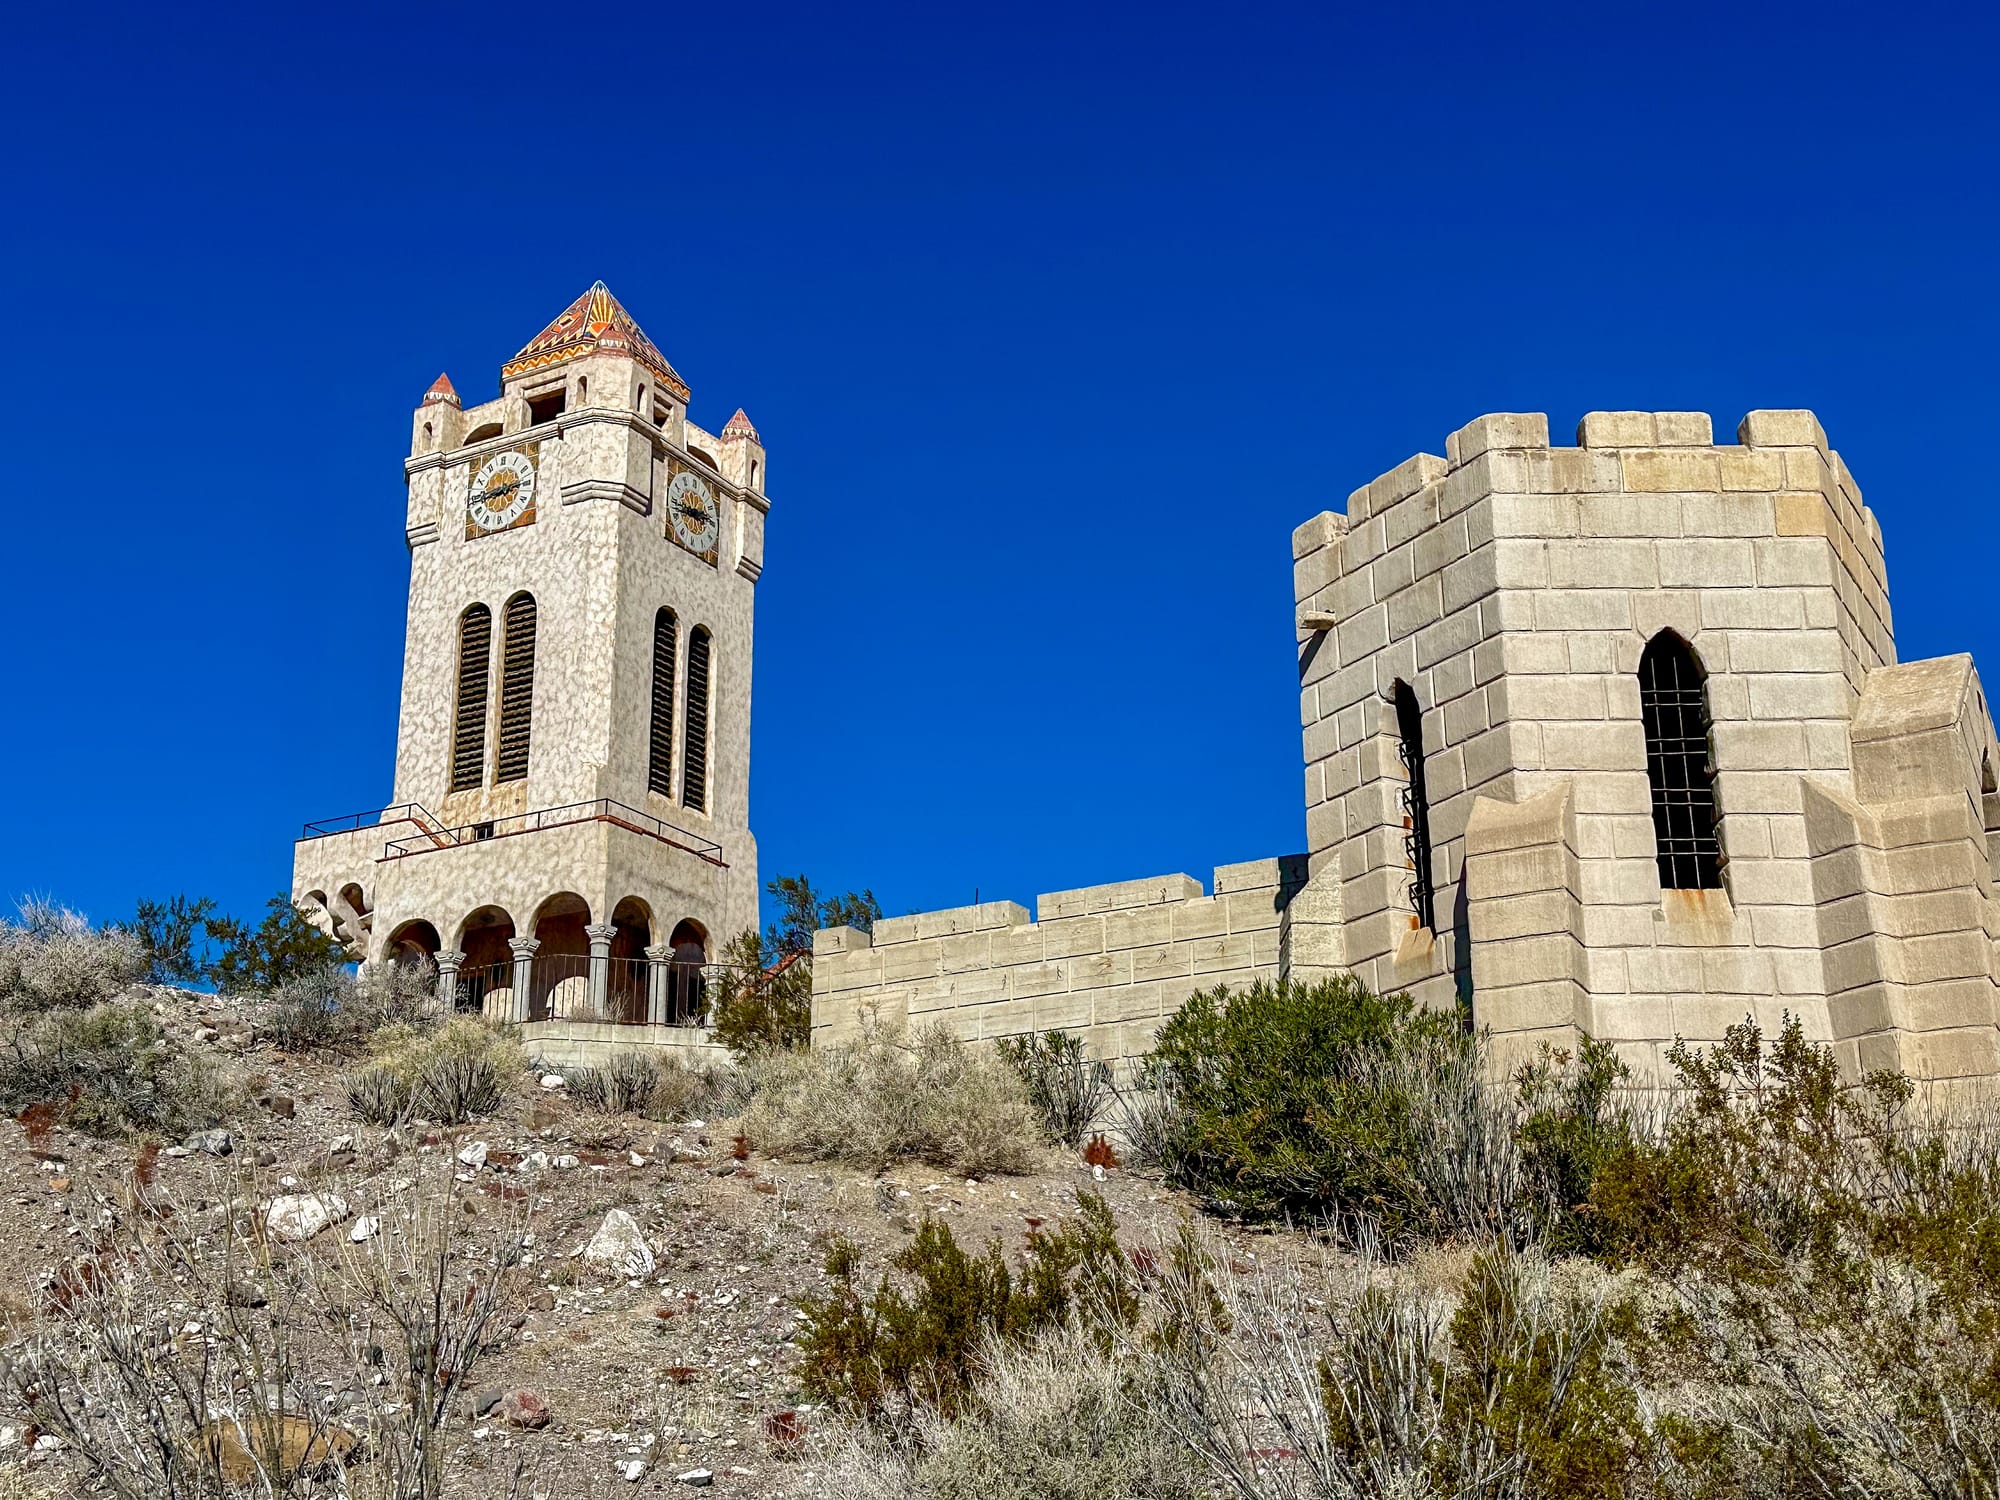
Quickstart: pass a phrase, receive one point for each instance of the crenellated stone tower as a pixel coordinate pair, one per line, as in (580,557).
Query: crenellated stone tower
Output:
(573,749)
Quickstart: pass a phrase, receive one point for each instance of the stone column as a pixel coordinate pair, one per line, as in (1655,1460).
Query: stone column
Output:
(524,975)
(449,964)
(600,935)
(658,977)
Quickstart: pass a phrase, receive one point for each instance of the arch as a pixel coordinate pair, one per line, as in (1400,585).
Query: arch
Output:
(414,941)
(639,401)
(1680,765)
(486,974)
(694,738)
(687,988)
(468,720)
(318,911)
(582,388)
(706,457)
(1416,803)
(754,475)
(427,435)
(660,751)
(349,912)
(561,985)
(628,985)
(484,431)
(517,689)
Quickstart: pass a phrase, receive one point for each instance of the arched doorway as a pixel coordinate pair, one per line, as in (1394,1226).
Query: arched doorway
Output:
(626,987)
(414,945)
(486,977)
(687,997)
(561,987)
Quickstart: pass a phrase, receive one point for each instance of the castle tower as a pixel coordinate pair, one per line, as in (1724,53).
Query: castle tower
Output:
(568,837)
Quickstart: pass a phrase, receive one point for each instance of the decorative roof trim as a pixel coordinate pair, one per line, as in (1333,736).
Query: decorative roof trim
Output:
(594,322)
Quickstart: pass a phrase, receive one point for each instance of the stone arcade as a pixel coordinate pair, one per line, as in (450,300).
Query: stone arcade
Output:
(568,837)
(1607,738)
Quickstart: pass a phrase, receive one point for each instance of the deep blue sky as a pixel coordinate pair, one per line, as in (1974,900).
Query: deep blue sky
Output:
(1056,321)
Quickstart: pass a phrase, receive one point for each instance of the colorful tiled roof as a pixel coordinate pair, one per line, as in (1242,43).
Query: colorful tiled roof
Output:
(595,319)
(739,426)
(441,392)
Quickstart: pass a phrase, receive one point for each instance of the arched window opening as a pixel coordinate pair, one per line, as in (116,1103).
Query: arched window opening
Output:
(687,989)
(484,431)
(517,688)
(694,750)
(639,401)
(706,457)
(753,473)
(1680,765)
(582,388)
(468,724)
(427,435)
(1416,805)
(660,764)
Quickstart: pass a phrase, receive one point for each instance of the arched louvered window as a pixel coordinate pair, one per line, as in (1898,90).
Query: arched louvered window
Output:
(468,719)
(1416,805)
(1674,705)
(660,763)
(694,741)
(517,688)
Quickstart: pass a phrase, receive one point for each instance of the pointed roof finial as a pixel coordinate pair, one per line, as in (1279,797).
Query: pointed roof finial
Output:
(739,426)
(441,393)
(595,320)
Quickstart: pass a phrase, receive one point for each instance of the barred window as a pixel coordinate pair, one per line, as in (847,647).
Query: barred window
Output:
(517,688)
(468,720)
(1680,765)
(1416,805)
(660,764)
(694,747)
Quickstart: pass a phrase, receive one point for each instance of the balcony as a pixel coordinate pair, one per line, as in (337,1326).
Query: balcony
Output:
(599,990)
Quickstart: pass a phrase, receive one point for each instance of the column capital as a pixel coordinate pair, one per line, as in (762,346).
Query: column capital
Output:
(524,947)
(661,953)
(601,932)
(449,959)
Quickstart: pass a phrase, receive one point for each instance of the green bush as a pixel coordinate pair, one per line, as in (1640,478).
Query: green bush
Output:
(1288,1108)
(459,1071)
(888,1351)
(1067,1089)
(766,1003)
(379,1094)
(1572,1122)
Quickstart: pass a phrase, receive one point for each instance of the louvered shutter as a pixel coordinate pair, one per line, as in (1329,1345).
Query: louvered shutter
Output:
(660,766)
(468,729)
(517,688)
(694,762)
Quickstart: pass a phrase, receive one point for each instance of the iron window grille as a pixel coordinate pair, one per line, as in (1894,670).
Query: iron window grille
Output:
(1673,702)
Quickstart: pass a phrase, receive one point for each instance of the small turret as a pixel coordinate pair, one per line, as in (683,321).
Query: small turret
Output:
(743,453)
(440,420)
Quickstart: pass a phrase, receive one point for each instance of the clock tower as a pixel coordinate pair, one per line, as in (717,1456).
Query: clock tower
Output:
(568,836)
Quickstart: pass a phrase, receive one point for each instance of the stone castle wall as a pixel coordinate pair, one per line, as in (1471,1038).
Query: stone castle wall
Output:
(1107,962)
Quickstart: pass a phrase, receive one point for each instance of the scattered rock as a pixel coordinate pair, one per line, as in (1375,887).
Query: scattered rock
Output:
(485,1401)
(282,1105)
(726,1169)
(246,1294)
(473,1155)
(300,1216)
(341,1145)
(630,1469)
(305,1448)
(214,1142)
(365,1228)
(523,1408)
(701,1479)
(566,1162)
(267,1158)
(542,1301)
(620,1243)
(552,1080)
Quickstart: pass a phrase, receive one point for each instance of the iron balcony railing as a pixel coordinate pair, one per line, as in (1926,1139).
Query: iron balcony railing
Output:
(559,989)
(402,812)
(603,810)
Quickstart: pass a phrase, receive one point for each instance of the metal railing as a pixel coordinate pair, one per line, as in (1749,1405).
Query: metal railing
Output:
(603,810)
(560,989)
(401,812)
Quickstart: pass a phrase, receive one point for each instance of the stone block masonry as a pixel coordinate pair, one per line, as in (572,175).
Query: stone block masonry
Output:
(1108,962)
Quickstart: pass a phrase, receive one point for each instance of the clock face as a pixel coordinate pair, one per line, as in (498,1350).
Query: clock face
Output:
(692,512)
(502,491)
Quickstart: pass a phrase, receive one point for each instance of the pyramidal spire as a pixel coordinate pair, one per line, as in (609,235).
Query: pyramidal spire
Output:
(739,426)
(441,393)
(595,322)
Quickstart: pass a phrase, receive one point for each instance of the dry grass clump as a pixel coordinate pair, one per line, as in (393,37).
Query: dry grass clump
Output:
(52,959)
(331,1007)
(890,1096)
(460,1071)
(658,1087)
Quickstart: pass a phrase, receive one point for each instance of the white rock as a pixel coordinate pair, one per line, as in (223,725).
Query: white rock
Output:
(1097,1174)
(565,1162)
(300,1216)
(630,1469)
(552,1080)
(341,1143)
(365,1228)
(699,1478)
(636,1159)
(473,1155)
(619,1242)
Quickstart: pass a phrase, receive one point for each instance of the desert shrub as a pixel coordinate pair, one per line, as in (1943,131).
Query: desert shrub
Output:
(1152,1123)
(1052,1419)
(889,1351)
(174,935)
(460,1070)
(888,1096)
(331,1007)
(52,959)
(625,1085)
(1067,1089)
(662,1088)
(1572,1121)
(110,1069)
(379,1094)
(284,946)
(1295,1103)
